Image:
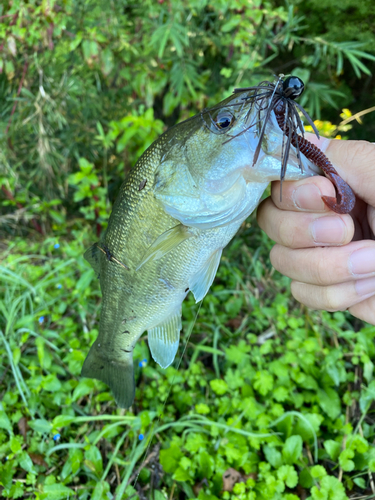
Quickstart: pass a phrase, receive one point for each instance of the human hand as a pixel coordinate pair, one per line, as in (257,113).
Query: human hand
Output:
(330,257)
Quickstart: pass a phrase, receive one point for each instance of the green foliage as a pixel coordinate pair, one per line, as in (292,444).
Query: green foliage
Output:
(99,80)
(271,399)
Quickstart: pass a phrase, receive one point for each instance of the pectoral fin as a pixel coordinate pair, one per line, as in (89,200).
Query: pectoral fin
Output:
(165,243)
(92,255)
(117,373)
(201,281)
(164,338)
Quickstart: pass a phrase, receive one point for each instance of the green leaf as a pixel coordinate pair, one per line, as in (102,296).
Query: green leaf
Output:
(93,460)
(16,355)
(318,471)
(181,474)
(345,461)
(108,63)
(307,425)
(15,444)
(202,409)
(288,474)
(170,458)
(85,386)
(7,472)
(292,449)
(51,383)
(333,488)
(56,491)
(316,494)
(236,354)
(367,396)
(305,479)
(329,401)
(359,481)
(76,41)
(90,50)
(273,456)
(263,382)
(62,421)
(4,421)
(40,425)
(25,462)
(160,38)
(357,443)
(333,449)
(100,491)
(75,457)
(368,369)
(17,490)
(219,386)
(206,465)
(158,495)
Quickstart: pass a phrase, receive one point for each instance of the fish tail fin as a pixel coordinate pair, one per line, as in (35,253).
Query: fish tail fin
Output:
(118,374)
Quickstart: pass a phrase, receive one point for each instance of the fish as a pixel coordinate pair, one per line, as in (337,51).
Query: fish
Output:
(179,207)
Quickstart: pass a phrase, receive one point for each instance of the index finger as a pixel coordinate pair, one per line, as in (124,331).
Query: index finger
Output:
(304,195)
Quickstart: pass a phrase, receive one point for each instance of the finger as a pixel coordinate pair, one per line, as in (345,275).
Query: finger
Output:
(334,297)
(326,266)
(354,161)
(303,195)
(301,230)
(364,310)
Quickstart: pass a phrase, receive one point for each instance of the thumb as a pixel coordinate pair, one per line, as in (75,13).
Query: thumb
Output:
(354,161)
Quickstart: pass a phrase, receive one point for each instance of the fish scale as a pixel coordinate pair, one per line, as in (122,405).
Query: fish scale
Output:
(180,206)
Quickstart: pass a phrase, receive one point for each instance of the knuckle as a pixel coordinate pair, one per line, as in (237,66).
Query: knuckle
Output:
(328,265)
(275,191)
(321,268)
(298,290)
(332,299)
(319,271)
(276,258)
(363,152)
(264,217)
(286,234)
(363,149)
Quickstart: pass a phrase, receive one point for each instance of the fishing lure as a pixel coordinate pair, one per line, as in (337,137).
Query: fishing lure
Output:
(280,98)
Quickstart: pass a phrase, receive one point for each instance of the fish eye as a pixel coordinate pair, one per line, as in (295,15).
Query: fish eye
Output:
(223,120)
(219,120)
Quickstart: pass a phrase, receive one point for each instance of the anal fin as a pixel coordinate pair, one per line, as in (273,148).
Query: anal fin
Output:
(166,242)
(118,374)
(200,283)
(164,339)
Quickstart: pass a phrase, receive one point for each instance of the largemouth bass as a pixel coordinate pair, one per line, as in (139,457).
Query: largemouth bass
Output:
(180,206)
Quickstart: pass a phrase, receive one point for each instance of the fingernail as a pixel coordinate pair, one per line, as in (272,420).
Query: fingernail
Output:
(362,261)
(328,230)
(308,197)
(365,287)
